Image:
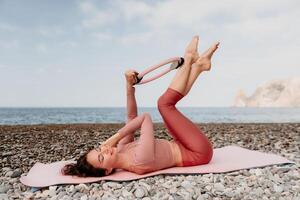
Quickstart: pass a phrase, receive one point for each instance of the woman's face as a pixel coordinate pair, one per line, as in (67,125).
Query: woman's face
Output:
(104,158)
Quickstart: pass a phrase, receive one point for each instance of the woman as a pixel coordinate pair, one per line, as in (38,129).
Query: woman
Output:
(189,146)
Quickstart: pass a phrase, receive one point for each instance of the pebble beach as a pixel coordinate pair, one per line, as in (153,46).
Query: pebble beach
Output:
(24,145)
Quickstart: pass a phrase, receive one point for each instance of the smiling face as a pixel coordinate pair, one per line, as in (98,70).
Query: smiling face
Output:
(103,158)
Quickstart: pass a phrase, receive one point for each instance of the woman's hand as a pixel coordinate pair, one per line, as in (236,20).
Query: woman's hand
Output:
(131,77)
(112,141)
(104,147)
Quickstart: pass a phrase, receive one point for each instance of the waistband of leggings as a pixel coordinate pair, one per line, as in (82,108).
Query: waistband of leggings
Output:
(175,91)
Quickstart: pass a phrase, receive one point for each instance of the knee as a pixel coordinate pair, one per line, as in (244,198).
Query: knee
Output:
(160,102)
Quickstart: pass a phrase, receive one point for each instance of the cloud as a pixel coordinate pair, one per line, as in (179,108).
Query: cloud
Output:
(12,44)
(102,36)
(132,10)
(138,38)
(42,70)
(2,66)
(96,17)
(69,44)
(87,7)
(41,48)
(194,16)
(50,31)
(48,69)
(159,19)
(4,27)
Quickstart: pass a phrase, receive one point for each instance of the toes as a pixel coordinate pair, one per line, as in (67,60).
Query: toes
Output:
(216,45)
(195,42)
(192,46)
(213,48)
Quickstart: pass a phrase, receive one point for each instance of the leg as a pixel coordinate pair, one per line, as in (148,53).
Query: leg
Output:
(195,71)
(202,63)
(180,80)
(194,145)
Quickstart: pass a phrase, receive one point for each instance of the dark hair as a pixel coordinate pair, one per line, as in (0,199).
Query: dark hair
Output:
(83,169)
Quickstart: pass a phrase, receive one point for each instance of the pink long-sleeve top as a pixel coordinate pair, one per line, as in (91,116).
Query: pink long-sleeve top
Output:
(146,154)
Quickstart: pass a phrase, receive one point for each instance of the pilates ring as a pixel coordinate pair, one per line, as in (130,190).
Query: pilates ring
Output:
(174,64)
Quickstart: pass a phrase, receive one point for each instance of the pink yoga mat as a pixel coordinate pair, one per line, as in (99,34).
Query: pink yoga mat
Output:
(225,159)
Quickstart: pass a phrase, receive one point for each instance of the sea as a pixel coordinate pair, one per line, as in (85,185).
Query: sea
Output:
(67,115)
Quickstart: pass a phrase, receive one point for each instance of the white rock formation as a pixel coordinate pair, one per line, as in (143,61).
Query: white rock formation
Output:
(274,93)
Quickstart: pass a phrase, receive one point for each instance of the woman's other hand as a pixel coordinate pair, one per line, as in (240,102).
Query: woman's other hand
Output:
(104,147)
(131,77)
(112,141)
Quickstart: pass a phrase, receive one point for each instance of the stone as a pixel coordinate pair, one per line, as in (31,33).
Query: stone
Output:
(259,191)
(257,172)
(3,196)
(208,187)
(173,190)
(125,193)
(167,184)
(105,186)
(267,191)
(5,169)
(70,189)
(77,195)
(186,184)
(45,193)
(84,197)
(228,192)
(66,197)
(277,188)
(16,173)
(82,188)
(8,173)
(113,185)
(165,197)
(61,194)
(201,197)
(8,153)
(139,192)
(148,187)
(29,195)
(205,180)
(52,191)
(219,187)
(4,188)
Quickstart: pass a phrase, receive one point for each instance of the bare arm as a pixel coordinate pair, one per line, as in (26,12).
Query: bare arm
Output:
(143,120)
(136,123)
(131,112)
(131,102)
(131,105)
(130,95)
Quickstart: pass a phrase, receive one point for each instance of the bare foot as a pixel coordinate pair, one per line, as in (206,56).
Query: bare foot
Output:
(191,52)
(204,60)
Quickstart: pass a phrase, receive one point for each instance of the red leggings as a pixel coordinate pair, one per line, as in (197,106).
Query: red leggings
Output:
(195,147)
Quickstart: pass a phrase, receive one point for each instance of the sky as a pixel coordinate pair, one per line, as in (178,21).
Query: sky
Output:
(74,53)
